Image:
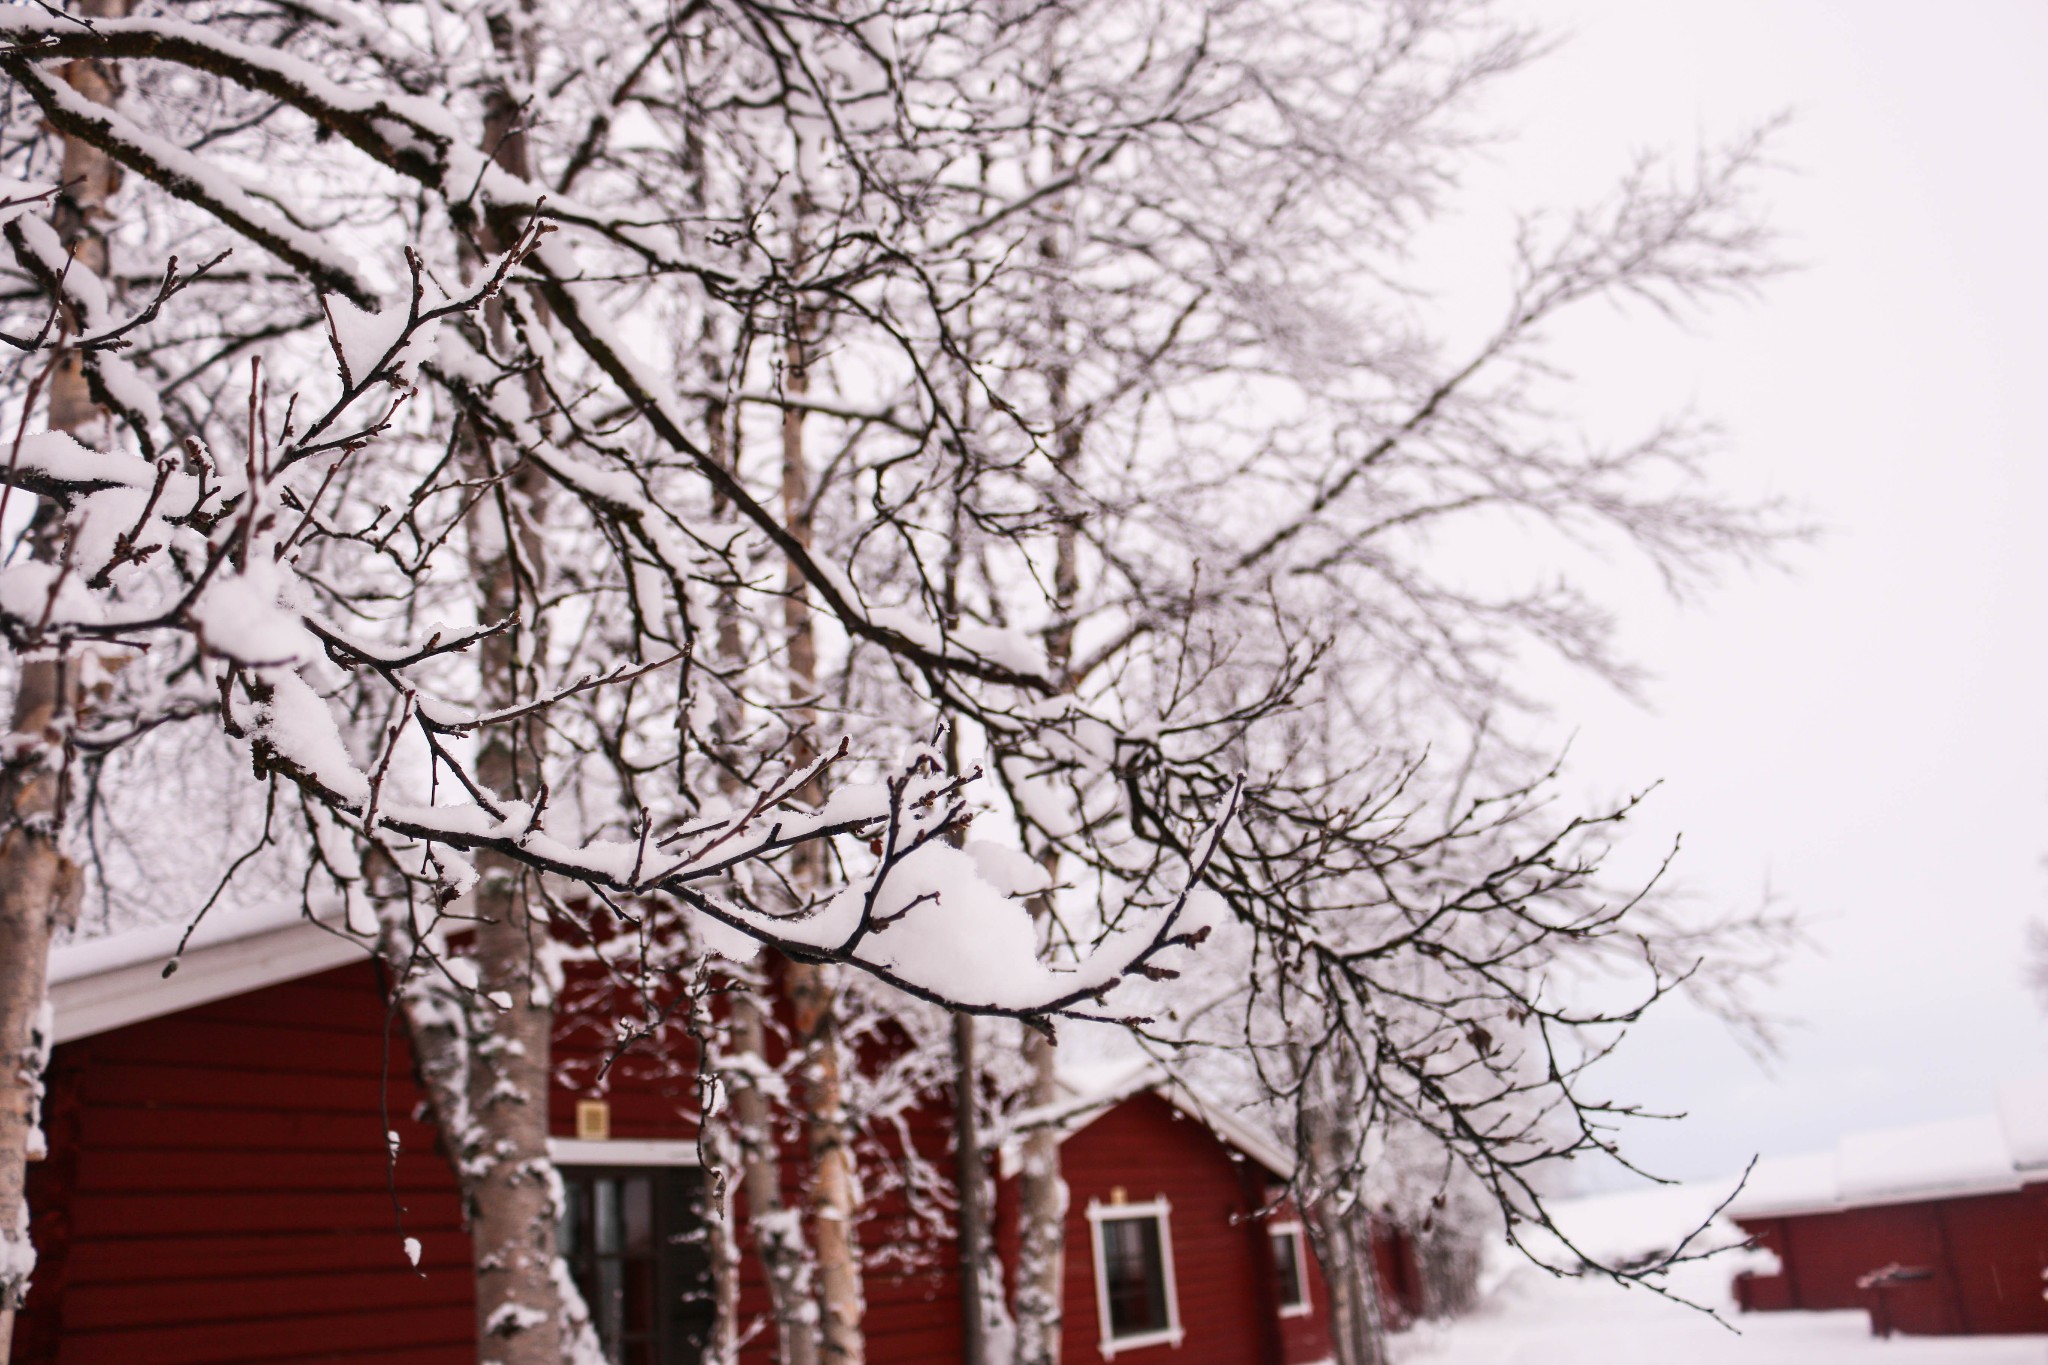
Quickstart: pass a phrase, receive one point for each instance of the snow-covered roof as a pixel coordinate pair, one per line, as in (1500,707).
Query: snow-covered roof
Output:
(103,983)
(1789,1184)
(2023,1114)
(1925,1161)
(1978,1154)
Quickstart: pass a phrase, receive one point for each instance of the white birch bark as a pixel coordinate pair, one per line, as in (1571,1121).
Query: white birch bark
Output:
(1041,1192)
(778,1230)
(39,883)
(833,1195)
(1340,1229)
(509,1179)
(719,1140)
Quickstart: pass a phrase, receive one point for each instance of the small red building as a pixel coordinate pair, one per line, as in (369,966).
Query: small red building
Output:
(1172,1235)
(1937,1229)
(219,1188)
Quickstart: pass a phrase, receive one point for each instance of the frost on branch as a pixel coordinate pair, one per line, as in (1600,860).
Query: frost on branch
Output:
(263,570)
(650,399)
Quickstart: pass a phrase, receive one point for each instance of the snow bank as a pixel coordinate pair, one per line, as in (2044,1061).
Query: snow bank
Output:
(1644,1225)
(1530,1317)
(1536,1320)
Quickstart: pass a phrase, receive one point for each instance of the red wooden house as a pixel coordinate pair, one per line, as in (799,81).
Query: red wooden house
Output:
(1937,1229)
(219,1188)
(1165,1245)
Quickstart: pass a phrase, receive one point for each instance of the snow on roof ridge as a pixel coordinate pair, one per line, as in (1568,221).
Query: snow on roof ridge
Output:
(1107,1081)
(134,945)
(117,979)
(1981,1153)
(2023,1114)
(1925,1160)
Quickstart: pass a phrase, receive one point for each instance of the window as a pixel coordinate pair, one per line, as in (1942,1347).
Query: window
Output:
(1134,1296)
(1290,1267)
(632,1240)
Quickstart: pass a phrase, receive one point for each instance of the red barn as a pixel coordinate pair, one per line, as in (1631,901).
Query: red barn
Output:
(1937,1229)
(218,1188)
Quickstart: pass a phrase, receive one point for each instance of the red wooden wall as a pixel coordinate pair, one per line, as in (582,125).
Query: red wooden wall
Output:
(1223,1270)
(2000,1253)
(216,1192)
(1306,1337)
(1988,1254)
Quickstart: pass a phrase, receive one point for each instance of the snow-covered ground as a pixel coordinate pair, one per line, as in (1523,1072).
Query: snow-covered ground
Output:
(1532,1318)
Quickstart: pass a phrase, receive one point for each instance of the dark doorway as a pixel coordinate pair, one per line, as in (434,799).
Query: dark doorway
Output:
(633,1238)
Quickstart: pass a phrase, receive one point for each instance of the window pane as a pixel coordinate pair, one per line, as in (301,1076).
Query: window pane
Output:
(639,1211)
(607,1307)
(600,1214)
(1289,1269)
(606,1239)
(637,1294)
(1135,1274)
(686,1265)
(570,1235)
(634,1243)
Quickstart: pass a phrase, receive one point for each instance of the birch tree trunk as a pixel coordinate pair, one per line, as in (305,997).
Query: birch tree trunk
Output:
(1041,1192)
(985,1336)
(510,1185)
(39,883)
(777,1232)
(510,1178)
(833,1195)
(39,890)
(1341,1231)
(720,1247)
(778,1235)
(1042,1214)
(1343,1247)
(511,1196)
(970,1178)
(719,1139)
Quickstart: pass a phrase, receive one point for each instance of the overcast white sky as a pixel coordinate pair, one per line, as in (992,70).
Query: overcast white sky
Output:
(1868,735)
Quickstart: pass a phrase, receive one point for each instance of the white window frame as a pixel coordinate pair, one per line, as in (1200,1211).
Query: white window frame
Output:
(1292,1230)
(622,1151)
(1161,1212)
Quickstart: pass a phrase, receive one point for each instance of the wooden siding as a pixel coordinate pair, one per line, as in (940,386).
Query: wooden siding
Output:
(1988,1254)
(1224,1277)
(1305,1337)
(217,1192)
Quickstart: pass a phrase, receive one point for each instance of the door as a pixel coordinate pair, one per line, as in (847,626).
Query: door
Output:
(633,1238)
